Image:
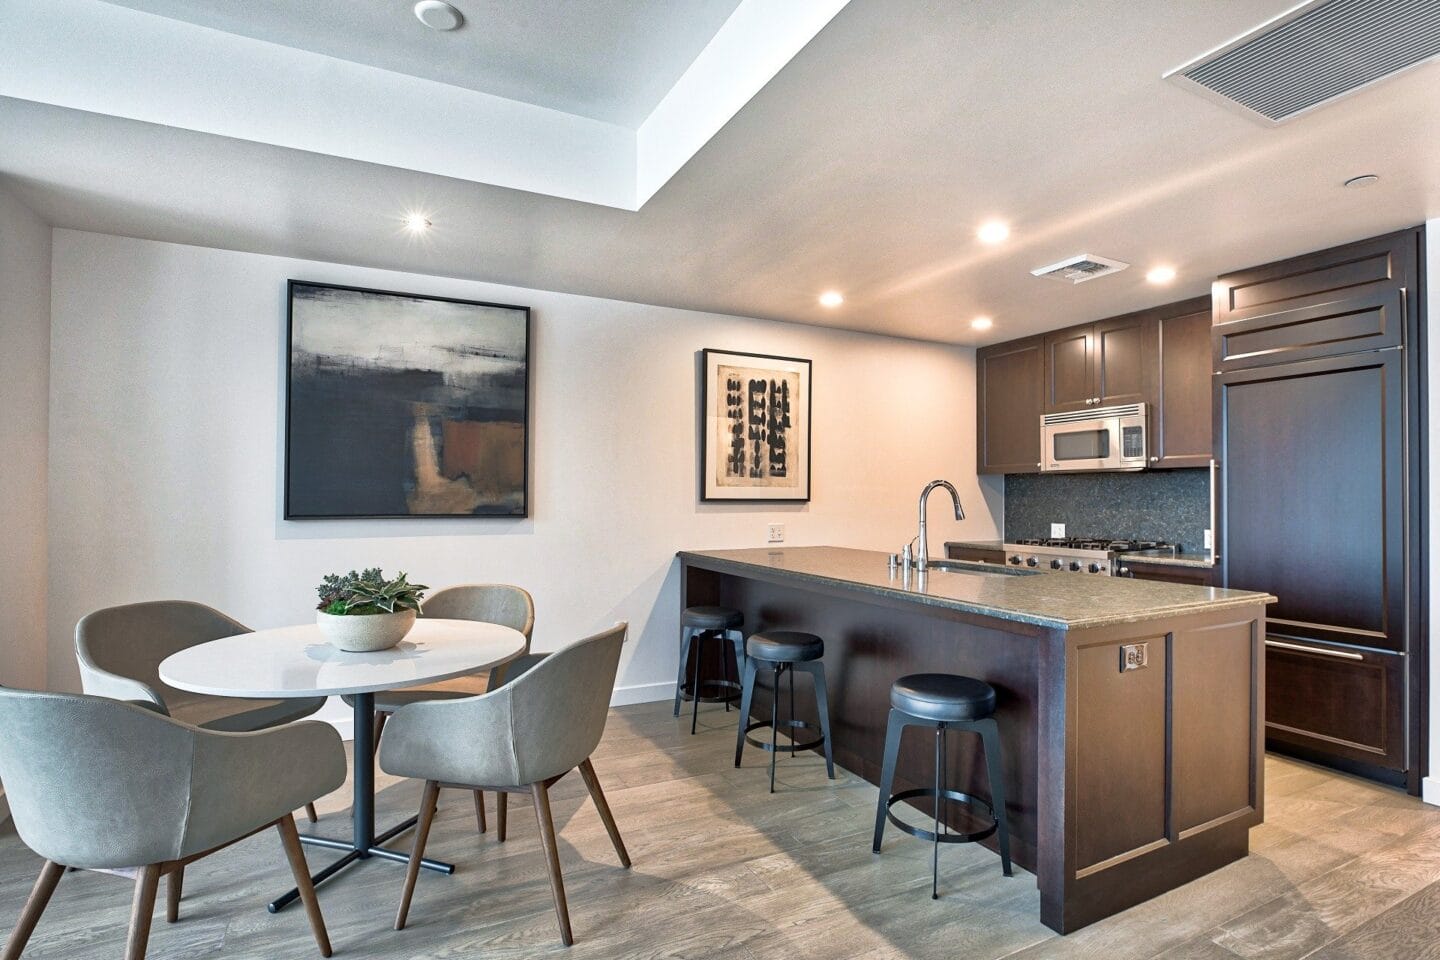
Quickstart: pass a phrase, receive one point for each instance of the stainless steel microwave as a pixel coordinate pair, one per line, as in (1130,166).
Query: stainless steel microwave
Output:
(1107,438)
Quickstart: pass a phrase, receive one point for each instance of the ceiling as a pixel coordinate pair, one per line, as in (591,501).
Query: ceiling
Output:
(865,165)
(610,60)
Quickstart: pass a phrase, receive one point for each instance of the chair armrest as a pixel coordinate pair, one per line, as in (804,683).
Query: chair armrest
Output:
(468,742)
(99,682)
(241,781)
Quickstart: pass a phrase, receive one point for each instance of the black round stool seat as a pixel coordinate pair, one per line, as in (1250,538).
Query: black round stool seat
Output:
(711,618)
(785,646)
(943,696)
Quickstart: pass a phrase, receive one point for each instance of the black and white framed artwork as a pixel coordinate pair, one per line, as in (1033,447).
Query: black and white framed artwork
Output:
(756,434)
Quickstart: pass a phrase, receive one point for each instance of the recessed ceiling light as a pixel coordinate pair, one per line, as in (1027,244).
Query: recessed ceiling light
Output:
(438,15)
(982,323)
(993,231)
(417,222)
(831,298)
(1364,180)
(1160,274)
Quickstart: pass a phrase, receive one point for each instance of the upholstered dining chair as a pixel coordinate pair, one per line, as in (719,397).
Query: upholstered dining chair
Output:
(499,603)
(119,650)
(519,739)
(98,784)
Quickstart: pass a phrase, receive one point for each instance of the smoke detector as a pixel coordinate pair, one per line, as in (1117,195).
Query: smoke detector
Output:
(1313,54)
(1078,269)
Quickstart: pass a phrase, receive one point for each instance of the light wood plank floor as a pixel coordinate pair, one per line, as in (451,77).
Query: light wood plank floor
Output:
(1341,870)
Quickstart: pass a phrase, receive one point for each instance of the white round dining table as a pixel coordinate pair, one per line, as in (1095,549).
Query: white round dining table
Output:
(297,661)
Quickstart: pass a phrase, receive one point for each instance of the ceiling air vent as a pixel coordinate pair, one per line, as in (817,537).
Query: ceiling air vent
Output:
(1086,266)
(1314,53)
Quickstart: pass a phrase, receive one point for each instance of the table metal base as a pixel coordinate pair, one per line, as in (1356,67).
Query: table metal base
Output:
(364,844)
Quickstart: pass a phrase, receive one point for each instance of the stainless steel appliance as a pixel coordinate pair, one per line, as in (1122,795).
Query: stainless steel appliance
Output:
(1106,438)
(1080,555)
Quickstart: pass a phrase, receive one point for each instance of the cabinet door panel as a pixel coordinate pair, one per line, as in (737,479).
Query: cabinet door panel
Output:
(1180,416)
(1008,403)
(1069,370)
(1337,700)
(1120,361)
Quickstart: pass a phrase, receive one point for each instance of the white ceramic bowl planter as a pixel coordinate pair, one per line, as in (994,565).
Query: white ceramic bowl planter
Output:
(366,632)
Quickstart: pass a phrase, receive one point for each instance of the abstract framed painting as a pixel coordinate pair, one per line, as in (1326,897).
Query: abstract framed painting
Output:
(756,433)
(402,405)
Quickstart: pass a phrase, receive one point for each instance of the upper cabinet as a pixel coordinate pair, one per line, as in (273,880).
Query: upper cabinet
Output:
(1160,357)
(1177,343)
(1097,365)
(1008,380)
(1326,304)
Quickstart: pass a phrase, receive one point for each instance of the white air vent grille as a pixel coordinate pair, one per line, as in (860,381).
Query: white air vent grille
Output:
(1315,53)
(1086,266)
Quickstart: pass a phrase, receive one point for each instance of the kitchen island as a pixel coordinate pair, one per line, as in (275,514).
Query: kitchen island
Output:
(1121,783)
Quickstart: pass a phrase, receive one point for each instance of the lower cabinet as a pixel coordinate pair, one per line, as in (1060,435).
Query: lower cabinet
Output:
(967,551)
(1344,702)
(1168,573)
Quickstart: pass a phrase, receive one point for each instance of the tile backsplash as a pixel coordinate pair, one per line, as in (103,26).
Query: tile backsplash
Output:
(1171,505)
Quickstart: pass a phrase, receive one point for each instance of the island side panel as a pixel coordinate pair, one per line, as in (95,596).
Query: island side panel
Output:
(871,641)
(1164,770)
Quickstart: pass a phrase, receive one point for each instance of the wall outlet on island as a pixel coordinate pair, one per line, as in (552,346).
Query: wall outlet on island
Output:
(775,533)
(1057,529)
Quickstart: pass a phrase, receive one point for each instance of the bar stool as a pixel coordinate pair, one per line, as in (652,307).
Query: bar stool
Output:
(784,651)
(705,624)
(943,702)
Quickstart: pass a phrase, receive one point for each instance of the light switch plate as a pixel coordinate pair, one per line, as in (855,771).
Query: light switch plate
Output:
(776,533)
(1209,539)
(1057,529)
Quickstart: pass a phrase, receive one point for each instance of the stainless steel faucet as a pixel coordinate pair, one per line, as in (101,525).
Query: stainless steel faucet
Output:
(922,559)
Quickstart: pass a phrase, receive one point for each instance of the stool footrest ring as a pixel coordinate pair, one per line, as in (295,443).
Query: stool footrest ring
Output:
(964,798)
(708,694)
(784,725)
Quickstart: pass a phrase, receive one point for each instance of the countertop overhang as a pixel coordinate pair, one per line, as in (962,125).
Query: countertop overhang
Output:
(1057,601)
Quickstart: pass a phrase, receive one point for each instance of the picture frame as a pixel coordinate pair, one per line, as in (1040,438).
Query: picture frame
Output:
(755,427)
(404,405)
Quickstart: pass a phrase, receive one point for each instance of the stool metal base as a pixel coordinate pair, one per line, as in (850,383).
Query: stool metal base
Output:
(958,797)
(784,725)
(699,691)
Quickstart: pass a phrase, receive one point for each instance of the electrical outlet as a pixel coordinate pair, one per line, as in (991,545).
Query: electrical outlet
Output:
(776,533)
(1209,540)
(1134,656)
(1057,529)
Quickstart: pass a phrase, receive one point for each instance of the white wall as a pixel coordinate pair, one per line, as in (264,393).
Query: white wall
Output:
(24,387)
(165,449)
(1432,278)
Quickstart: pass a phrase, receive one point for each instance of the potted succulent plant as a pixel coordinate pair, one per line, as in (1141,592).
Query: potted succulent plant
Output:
(363,612)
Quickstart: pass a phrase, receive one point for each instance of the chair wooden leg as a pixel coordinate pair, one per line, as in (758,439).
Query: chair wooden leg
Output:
(142,911)
(290,838)
(174,890)
(428,802)
(50,875)
(310,813)
(501,807)
(552,859)
(592,783)
(480,810)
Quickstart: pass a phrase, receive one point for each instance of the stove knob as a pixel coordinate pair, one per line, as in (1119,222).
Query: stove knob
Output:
(1095,568)
(1057,564)
(1015,560)
(1031,562)
(1075,565)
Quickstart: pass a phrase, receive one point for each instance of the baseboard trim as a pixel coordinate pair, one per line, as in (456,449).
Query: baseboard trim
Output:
(1430,790)
(344,724)
(642,693)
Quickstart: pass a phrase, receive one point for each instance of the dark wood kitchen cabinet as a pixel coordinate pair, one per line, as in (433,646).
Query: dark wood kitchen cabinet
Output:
(1177,344)
(1319,496)
(1009,385)
(1169,573)
(1097,365)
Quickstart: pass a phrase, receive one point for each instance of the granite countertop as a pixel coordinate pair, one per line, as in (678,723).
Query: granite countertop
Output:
(1179,560)
(1058,601)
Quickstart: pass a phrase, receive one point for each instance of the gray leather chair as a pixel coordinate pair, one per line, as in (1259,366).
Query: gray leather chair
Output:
(519,739)
(119,650)
(98,784)
(499,603)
